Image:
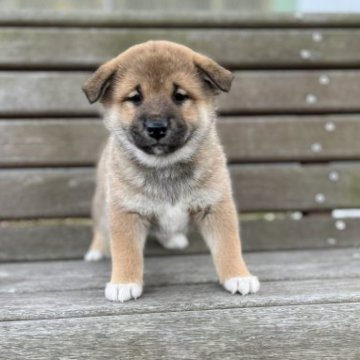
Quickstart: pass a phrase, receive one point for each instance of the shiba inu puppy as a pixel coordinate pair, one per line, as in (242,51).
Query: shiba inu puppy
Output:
(163,166)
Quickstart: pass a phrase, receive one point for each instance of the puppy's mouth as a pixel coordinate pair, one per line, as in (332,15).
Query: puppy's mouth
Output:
(158,149)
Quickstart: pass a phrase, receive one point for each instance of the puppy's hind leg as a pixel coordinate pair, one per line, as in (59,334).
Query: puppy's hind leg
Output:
(173,241)
(100,245)
(97,250)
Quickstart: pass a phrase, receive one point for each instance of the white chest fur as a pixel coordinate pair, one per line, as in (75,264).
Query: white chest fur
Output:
(171,226)
(172,218)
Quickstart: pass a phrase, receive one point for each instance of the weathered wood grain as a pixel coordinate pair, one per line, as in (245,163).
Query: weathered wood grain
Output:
(292,91)
(26,14)
(71,48)
(245,139)
(59,93)
(289,138)
(291,187)
(30,193)
(50,142)
(43,93)
(326,331)
(91,302)
(67,192)
(65,239)
(43,240)
(32,277)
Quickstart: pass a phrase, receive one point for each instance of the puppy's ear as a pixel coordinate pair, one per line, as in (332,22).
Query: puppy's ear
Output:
(95,87)
(214,74)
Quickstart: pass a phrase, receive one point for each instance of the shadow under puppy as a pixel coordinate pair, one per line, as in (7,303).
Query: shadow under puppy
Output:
(163,165)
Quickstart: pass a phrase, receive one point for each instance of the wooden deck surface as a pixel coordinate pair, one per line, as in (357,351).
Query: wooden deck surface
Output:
(308,308)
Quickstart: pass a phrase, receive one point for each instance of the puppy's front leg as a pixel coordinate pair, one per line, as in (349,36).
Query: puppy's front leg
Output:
(128,234)
(220,230)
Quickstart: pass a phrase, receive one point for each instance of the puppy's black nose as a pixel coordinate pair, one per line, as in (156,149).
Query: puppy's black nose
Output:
(156,128)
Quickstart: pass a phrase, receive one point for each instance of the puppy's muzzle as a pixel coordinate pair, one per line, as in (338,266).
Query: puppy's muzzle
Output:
(156,128)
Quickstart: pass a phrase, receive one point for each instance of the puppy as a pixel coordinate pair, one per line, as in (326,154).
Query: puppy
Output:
(163,165)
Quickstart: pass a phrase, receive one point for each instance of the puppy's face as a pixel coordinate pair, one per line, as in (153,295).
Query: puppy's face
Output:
(155,105)
(158,98)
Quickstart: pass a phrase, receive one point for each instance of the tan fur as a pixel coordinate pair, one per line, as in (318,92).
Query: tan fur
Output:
(137,192)
(220,230)
(129,234)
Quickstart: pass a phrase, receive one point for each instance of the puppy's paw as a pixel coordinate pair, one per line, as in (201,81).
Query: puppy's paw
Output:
(242,284)
(94,255)
(176,242)
(123,292)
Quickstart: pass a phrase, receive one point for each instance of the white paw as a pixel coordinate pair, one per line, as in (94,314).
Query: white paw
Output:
(243,285)
(122,292)
(176,242)
(93,255)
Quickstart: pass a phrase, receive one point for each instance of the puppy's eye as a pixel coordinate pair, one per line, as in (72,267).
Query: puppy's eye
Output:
(180,96)
(134,97)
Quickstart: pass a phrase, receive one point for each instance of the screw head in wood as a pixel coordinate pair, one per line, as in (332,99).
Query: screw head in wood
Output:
(340,225)
(316,36)
(330,126)
(324,80)
(320,198)
(305,54)
(333,176)
(311,99)
(316,147)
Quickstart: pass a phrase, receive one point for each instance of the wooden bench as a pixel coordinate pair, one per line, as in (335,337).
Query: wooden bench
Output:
(291,130)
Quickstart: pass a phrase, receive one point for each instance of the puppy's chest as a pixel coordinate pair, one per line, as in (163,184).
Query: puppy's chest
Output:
(169,202)
(170,218)
(170,186)
(167,216)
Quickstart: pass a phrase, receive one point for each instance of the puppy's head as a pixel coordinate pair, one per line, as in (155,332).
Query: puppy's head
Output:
(159,99)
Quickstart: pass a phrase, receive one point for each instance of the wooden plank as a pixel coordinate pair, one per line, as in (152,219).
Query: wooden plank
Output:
(35,277)
(309,331)
(30,15)
(296,187)
(245,139)
(292,91)
(69,48)
(91,302)
(50,142)
(58,93)
(67,192)
(43,93)
(44,240)
(69,239)
(30,193)
(289,138)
